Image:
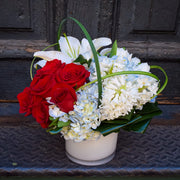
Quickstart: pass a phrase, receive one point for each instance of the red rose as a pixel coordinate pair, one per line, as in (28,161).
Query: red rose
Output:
(40,111)
(44,79)
(25,101)
(64,97)
(73,74)
(42,85)
(51,67)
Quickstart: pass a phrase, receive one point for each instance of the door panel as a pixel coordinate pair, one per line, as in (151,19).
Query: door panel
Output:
(148,29)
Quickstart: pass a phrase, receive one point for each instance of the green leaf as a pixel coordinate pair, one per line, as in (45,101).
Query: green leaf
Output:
(141,122)
(149,116)
(106,129)
(128,116)
(116,121)
(89,62)
(82,60)
(63,124)
(149,108)
(51,118)
(147,113)
(55,131)
(135,121)
(54,122)
(114,49)
(121,119)
(139,127)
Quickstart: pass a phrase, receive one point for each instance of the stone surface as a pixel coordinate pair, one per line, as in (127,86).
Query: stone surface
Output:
(31,151)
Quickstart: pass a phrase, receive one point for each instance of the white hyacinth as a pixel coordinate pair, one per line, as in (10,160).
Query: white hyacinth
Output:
(124,92)
(78,133)
(85,117)
(55,112)
(118,99)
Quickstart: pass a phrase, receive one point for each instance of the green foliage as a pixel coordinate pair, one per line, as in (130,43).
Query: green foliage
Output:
(63,124)
(54,121)
(136,120)
(56,125)
(55,130)
(114,49)
(82,60)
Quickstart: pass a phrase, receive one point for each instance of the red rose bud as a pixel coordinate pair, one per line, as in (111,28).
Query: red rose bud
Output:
(64,96)
(73,74)
(40,111)
(25,99)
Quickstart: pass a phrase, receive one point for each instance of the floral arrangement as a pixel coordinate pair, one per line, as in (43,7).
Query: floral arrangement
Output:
(83,90)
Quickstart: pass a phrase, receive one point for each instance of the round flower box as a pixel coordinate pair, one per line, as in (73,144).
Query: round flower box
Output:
(92,152)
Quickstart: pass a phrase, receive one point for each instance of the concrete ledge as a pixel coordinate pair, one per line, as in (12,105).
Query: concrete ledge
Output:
(29,150)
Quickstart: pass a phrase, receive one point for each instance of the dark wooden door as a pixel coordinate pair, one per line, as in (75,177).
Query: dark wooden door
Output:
(149,29)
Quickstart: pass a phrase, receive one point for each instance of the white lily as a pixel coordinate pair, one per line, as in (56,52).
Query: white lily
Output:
(71,48)
(50,55)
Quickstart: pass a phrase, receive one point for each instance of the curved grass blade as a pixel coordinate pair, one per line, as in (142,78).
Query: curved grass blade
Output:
(166,78)
(93,51)
(59,32)
(122,73)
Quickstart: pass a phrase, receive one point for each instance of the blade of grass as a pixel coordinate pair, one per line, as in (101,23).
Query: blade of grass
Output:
(166,78)
(93,51)
(122,73)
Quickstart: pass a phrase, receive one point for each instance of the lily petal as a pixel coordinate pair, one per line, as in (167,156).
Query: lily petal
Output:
(41,63)
(105,51)
(51,55)
(85,49)
(70,46)
(87,55)
(102,41)
(84,46)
